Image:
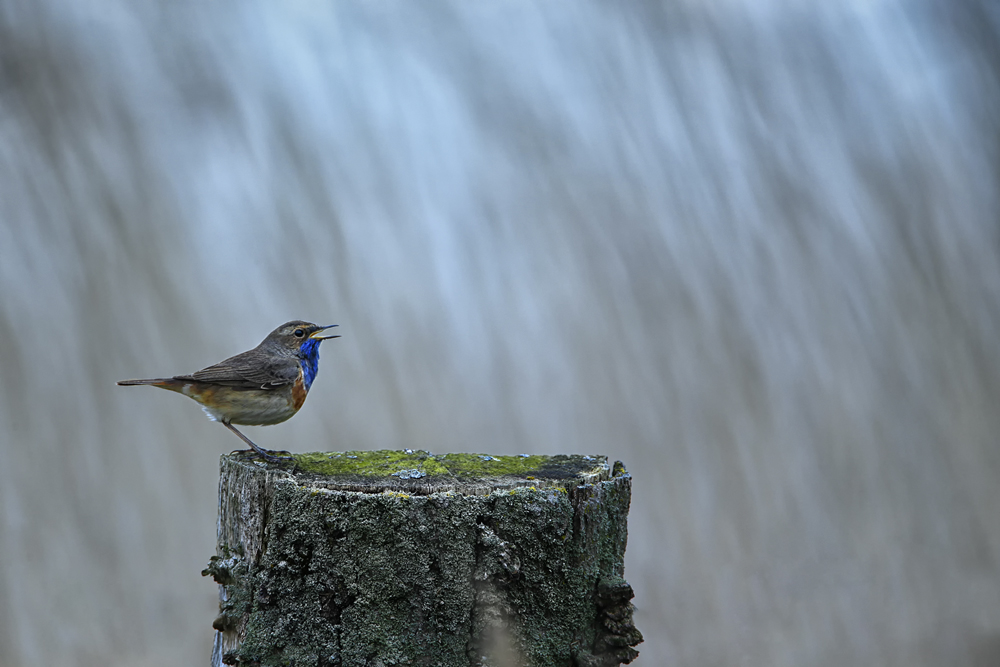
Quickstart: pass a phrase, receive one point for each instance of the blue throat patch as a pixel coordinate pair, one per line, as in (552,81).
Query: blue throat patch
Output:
(309,358)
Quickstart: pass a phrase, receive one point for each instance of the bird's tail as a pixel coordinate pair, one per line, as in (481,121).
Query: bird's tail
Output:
(153,381)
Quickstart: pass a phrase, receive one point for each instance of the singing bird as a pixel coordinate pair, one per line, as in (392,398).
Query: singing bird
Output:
(263,386)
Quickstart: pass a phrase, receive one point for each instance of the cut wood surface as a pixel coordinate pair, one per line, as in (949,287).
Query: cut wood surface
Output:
(370,559)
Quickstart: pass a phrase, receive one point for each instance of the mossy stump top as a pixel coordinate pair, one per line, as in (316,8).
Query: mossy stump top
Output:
(370,559)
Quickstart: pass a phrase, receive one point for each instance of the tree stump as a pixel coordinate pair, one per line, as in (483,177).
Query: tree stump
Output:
(371,559)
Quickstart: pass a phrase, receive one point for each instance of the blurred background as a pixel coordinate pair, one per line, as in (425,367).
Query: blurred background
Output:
(750,248)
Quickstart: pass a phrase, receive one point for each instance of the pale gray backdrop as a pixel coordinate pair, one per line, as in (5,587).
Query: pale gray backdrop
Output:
(748,247)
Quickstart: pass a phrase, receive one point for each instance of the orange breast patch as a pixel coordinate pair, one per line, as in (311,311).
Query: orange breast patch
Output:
(298,392)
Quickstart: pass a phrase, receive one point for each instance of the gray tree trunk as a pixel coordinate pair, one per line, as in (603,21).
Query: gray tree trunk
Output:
(370,559)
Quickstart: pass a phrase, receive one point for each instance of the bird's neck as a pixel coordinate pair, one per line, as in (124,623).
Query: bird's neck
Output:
(309,358)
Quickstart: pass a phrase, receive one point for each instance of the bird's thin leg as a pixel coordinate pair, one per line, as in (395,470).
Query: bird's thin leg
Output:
(261,452)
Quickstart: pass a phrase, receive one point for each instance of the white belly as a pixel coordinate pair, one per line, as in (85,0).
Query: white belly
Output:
(249,408)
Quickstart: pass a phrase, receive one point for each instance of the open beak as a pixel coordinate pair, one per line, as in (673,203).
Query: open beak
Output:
(318,334)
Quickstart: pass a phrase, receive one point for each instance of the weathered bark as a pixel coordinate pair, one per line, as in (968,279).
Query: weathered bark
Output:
(364,559)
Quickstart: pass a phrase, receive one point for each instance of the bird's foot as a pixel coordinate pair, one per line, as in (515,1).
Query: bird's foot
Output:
(266,454)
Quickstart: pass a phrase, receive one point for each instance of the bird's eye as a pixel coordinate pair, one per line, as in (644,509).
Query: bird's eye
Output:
(299,333)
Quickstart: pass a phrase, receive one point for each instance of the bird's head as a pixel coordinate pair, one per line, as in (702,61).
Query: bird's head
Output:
(298,338)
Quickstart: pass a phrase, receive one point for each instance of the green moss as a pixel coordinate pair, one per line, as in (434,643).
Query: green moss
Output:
(479,465)
(379,463)
(386,462)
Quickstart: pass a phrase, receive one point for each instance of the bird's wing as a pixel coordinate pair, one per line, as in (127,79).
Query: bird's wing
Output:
(250,371)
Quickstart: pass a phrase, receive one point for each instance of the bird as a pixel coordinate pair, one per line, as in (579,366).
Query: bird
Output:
(263,386)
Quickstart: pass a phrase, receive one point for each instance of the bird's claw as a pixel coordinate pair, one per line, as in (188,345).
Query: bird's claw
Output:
(265,454)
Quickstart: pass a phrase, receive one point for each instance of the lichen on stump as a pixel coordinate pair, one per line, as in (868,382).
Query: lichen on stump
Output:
(371,559)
